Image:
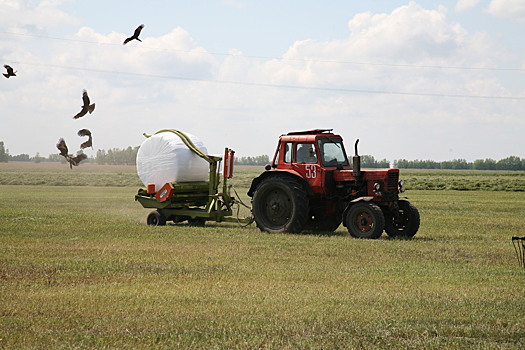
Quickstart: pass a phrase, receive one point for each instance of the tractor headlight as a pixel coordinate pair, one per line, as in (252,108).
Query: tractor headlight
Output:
(377,187)
(401,186)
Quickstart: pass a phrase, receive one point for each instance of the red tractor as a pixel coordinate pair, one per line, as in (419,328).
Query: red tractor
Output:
(311,185)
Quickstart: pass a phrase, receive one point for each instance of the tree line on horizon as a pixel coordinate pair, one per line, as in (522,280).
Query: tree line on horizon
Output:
(128,156)
(508,163)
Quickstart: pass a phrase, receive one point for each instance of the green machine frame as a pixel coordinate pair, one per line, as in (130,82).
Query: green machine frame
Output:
(196,202)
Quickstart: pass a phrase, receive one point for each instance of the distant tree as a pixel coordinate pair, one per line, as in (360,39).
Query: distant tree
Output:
(117,156)
(383,163)
(55,157)
(416,164)
(100,158)
(368,161)
(401,163)
(129,155)
(20,158)
(4,154)
(484,164)
(456,164)
(37,158)
(110,157)
(258,160)
(510,163)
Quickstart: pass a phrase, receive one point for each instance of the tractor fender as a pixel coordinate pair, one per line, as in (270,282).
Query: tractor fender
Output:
(352,202)
(292,173)
(361,199)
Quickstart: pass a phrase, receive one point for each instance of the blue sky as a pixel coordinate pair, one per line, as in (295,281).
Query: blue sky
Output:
(267,27)
(410,79)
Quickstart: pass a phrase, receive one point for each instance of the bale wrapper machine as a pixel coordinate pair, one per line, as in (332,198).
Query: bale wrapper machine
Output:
(197,201)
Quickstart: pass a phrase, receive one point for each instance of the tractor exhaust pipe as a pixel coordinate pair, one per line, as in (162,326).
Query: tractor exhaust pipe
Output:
(356,162)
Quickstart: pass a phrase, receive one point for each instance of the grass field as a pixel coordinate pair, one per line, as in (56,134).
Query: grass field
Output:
(57,174)
(80,269)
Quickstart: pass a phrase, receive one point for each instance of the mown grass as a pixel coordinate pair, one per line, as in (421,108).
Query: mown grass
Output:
(57,174)
(80,269)
(462,180)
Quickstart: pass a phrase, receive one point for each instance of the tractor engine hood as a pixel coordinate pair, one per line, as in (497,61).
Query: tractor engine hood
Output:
(367,175)
(379,183)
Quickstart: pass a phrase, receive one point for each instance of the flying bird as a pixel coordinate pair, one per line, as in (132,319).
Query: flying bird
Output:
(135,35)
(62,147)
(75,160)
(10,72)
(88,143)
(86,107)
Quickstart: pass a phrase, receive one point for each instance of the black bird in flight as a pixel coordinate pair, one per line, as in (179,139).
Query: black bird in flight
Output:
(77,159)
(86,107)
(62,147)
(135,35)
(89,142)
(10,72)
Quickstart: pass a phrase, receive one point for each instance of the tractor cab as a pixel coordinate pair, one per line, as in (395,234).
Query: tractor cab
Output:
(312,155)
(318,146)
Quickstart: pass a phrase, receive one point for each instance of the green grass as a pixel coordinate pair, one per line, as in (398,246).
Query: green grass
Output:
(80,269)
(57,174)
(462,180)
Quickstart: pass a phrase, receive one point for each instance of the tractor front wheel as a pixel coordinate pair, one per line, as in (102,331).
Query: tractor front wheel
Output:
(407,222)
(280,204)
(365,220)
(156,218)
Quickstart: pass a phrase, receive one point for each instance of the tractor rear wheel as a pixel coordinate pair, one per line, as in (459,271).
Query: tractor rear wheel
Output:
(280,204)
(365,220)
(407,222)
(156,218)
(324,223)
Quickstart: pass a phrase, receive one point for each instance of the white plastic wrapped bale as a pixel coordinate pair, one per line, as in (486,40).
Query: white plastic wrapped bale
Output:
(165,158)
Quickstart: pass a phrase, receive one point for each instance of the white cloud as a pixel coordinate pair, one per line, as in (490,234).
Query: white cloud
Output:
(24,16)
(174,53)
(136,89)
(513,9)
(412,38)
(464,5)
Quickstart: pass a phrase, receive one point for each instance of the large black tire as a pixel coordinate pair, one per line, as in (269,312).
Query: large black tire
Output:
(324,223)
(156,218)
(365,220)
(407,223)
(280,204)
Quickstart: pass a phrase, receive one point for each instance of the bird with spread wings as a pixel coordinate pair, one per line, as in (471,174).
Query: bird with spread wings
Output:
(89,142)
(62,147)
(86,107)
(10,71)
(135,34)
